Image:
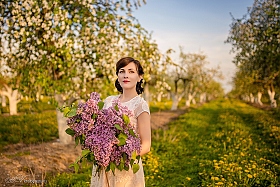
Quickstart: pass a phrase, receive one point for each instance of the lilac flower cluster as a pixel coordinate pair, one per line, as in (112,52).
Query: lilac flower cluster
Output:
(85,116)
(103,140)
(108,133)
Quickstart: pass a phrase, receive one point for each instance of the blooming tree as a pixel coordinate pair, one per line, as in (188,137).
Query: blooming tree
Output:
(255,40)
(56,47)
(191,77)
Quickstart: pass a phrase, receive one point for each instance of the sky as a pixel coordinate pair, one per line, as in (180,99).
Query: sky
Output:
(199,26)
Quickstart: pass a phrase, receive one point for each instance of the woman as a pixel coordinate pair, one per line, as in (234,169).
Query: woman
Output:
(130,74)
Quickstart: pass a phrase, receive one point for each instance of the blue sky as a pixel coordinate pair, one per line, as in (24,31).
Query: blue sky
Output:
(196,25)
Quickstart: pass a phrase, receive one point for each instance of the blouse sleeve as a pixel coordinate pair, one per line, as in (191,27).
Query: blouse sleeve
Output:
(108,101)
(142,107)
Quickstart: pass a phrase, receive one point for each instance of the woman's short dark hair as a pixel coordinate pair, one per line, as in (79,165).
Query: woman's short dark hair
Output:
(124,62)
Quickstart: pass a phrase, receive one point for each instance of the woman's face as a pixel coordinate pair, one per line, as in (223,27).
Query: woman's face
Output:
(128,76)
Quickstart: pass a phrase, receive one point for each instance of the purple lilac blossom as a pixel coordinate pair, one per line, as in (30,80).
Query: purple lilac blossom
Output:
(101,133)
(83,121)
(102,140)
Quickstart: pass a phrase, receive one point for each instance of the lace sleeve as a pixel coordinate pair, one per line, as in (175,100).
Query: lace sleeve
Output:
(108,101)
(142,107)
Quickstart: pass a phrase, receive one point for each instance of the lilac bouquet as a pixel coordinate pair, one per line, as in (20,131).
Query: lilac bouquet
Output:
(107,137)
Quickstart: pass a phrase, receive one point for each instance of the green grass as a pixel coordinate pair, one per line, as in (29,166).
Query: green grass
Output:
(80,179)
(223,143)
(164,105)
(28,128)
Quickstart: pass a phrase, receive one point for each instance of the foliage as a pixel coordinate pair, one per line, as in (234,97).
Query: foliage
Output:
(28,128)
(255,40)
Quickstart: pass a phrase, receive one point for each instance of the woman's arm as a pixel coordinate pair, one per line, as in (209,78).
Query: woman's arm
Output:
(144,127)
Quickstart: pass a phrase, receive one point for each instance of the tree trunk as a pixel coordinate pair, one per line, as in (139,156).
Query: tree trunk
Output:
(175,102)
(246,98)
(193,101)
(159,95)
(202,98)
(64,138)
(210,97)
(146,94)
(13,105)
(3,101)
(252,98)
(190,97)
(259,99)
(13,97)
(271,94)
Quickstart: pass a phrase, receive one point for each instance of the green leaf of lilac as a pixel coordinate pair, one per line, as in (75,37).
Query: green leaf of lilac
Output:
(126,168)
(107,168)
(121,165)
(113,167)
(122,142)
(77,140)
(131,132)
(78,160)
(131,162)
(76,167)
(65,111)
(116,108)
(135,168)
(94,116)
(72,112)
(118,127)
(90,157)
(122,138)
(70,131)
(85,152)
(125,119)
(82,139)
(100,105)
(133,155)
(124,156)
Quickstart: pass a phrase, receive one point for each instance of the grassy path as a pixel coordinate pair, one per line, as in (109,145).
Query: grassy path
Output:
(223,143)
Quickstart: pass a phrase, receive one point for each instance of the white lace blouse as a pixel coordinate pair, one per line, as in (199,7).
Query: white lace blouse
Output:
(123,178)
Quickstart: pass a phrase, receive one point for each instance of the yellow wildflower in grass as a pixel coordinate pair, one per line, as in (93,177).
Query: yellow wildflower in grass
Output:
(188,178)
(219,183)
(250,176)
